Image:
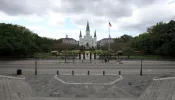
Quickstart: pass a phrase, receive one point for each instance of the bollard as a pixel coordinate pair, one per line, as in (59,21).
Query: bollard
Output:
(103,72)
(58,72)
(119,72)
(82,60)
(88,72)
(72,72)
(19,72)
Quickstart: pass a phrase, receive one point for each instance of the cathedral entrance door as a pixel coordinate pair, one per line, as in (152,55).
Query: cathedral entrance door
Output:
(87,46)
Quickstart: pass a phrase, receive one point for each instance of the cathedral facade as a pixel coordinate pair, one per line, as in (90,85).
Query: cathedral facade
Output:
(88,41)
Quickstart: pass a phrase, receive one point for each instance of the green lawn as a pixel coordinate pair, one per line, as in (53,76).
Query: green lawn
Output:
(77,51)
(48,55)
(71,51)
(43,55)
(145,57)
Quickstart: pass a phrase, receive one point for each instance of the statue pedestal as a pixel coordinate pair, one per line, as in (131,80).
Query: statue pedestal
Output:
(87,54)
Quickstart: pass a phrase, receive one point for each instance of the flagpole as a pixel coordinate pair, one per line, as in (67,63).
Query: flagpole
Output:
(109,38)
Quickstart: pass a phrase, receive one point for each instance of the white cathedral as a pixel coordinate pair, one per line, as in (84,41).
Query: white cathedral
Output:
(88,41)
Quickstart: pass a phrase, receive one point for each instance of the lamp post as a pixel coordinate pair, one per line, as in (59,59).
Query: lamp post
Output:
(141,60)
(64,56)
(35,66)
(141,65)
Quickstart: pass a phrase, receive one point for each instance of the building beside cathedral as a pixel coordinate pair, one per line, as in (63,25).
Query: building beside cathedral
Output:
(88,41)
(105,41)
(68,40)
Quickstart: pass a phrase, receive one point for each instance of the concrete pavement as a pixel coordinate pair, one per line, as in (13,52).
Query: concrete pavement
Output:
(51,66)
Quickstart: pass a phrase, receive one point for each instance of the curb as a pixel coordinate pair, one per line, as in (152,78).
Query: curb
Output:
(167,78)
(12,77)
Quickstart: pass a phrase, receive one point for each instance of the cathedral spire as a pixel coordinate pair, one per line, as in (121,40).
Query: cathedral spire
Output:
(80,34)
(95,34)
(87,27)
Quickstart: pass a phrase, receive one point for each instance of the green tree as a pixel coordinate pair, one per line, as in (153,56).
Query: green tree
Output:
(16,40)
(127,51)
(159,39)
(126,38)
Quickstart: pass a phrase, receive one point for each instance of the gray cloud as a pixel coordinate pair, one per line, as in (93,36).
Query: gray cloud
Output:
(97,12)
(107,8)
(149,16)
(139,3)
(24,7)
(112,9)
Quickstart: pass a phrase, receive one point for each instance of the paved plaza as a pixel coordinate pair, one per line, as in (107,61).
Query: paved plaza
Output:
(48,86)
(127,86)
(95,67)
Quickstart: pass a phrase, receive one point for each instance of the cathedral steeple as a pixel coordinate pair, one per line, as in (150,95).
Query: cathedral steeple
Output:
(95,34)
(80,34)
(87,27)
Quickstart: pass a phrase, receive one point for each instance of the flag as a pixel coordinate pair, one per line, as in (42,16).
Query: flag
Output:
(110,24)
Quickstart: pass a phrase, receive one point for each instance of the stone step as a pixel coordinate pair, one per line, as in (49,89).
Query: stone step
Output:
(1,89)
(14,89)
(163,94)
(6,91)
(161,88)
(17,88)
(149,92)
(8,83)
(28,89)
(21,89)
(171,91)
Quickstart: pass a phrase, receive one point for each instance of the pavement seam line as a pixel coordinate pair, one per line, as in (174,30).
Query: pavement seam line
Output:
(167,78)
(109,83)
(12,77)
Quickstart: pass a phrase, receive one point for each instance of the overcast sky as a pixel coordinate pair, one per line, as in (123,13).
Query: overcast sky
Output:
(56,18)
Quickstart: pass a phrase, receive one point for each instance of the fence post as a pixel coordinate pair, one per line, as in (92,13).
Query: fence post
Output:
(58,72)
(119,72)
(72,72)
(88,72)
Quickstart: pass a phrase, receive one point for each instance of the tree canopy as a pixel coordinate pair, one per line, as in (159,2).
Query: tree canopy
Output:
(16,40)
(159,39)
